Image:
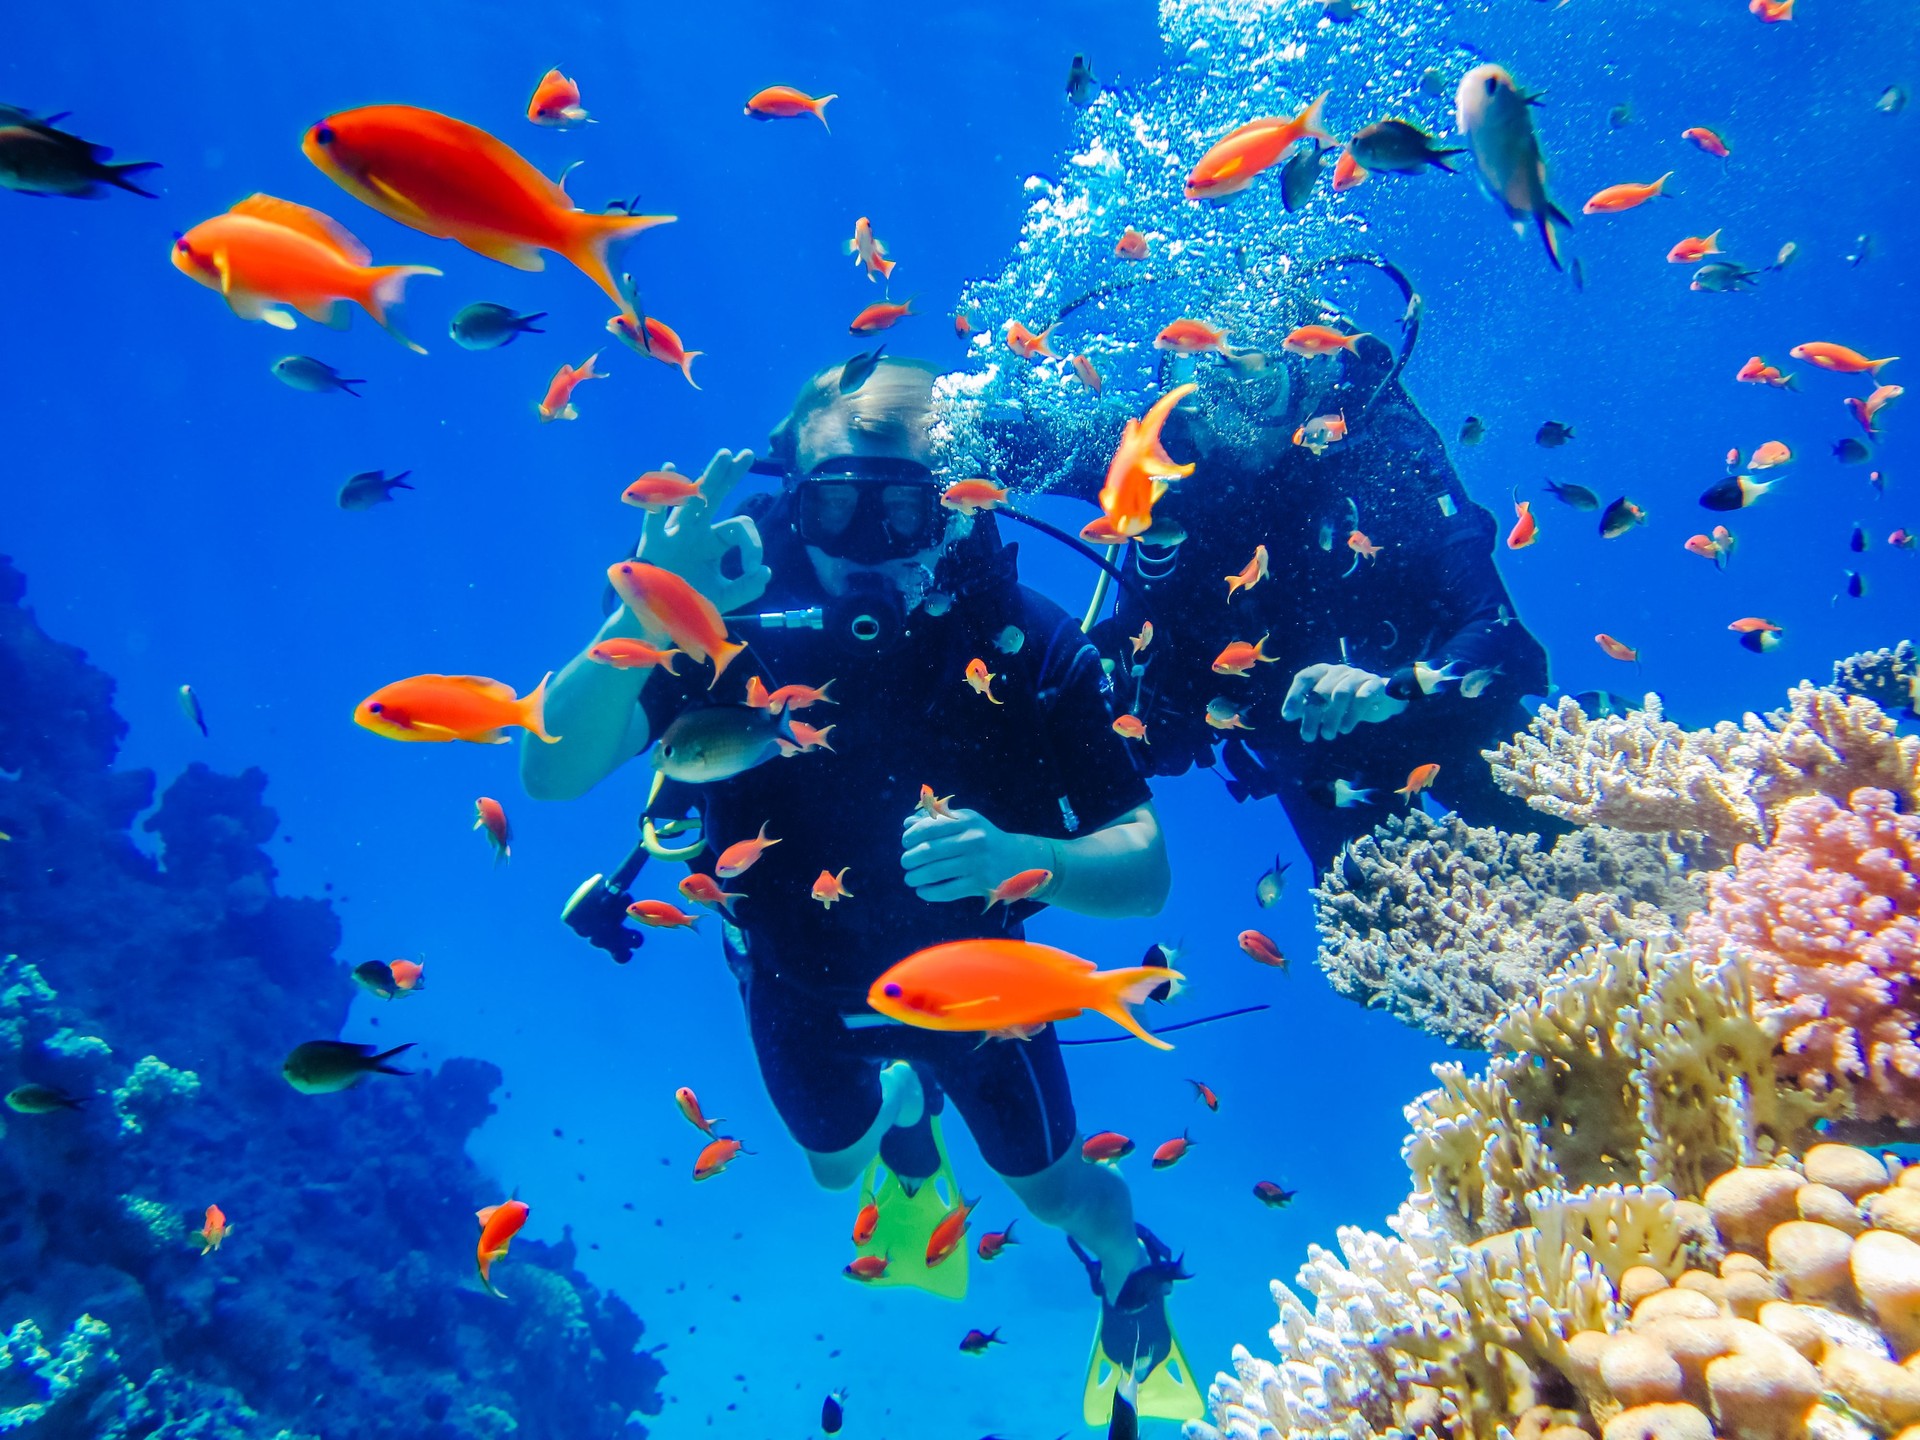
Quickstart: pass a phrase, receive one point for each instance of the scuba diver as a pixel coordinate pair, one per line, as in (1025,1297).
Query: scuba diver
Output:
(1393,640)
(854,579)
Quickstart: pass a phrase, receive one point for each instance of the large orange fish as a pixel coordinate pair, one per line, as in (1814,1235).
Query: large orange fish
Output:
(881,315)
(1838,358)
(1138,473)
(1615,198)
(1005,986)
(783,102)
(950,1232)
(687,616)
(452,707)
(268,256)
(498,1225)
(1236,160)
(453,180)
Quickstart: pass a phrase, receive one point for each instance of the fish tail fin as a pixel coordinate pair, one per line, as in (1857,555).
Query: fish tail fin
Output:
(1873,366)
(819,108)
(117,175)
(687,358)
(386,295)
(887,267)
(379,1062)
(1548,216)
(724,657)
(1131,986)
(533,711)
(485,1266)
(590,241)
(1310,119)
(1660,185)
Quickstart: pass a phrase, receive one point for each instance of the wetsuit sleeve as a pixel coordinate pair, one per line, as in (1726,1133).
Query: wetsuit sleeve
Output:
(1097,777)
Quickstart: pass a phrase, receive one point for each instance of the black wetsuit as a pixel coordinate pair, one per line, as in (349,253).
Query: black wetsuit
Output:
(1432,595)
(1043,762)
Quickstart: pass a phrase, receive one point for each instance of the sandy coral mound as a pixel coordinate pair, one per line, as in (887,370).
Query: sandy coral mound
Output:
(1887,677)
(1446,924)
(1826,920)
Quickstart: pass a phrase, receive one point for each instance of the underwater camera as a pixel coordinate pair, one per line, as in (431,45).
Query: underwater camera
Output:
(597,913)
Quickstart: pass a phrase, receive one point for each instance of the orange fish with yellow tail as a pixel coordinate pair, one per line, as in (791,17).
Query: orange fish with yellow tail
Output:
(453,707)
(1137,475)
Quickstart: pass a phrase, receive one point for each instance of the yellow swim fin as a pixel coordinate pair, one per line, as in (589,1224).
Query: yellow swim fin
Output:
(907,1223)
(1167,1393)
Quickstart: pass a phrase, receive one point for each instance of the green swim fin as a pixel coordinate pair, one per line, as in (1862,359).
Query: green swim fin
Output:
(1167,1393)
(907,1223)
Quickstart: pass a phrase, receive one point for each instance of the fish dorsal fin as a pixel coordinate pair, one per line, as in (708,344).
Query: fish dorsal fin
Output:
(481,685)
(560,180)
(483,1216)
(308,222)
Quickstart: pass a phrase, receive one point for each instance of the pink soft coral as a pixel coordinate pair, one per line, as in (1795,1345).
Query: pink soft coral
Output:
(1827,922)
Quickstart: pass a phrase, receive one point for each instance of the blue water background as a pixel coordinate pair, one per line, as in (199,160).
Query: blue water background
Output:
(173,507)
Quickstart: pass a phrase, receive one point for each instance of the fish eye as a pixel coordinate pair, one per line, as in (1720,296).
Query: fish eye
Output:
(893,992)
(323,133)
(375,708)
(1493,85)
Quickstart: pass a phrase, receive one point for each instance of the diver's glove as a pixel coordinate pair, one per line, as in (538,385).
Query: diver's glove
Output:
(681,539)
(1330,700)
(966,855)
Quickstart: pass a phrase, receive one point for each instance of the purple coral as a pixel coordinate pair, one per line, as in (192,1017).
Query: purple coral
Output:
(1827,921)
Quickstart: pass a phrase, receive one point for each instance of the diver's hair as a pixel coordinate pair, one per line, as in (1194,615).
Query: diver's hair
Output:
(890,415)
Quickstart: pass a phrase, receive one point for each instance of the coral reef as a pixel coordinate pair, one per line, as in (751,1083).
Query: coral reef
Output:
(343,1303)
(1826,921)
(1640,771)
(1886,677)
(1446,925)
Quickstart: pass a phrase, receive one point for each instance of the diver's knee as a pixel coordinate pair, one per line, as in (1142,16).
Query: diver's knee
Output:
(1050,1195)
(835,1170)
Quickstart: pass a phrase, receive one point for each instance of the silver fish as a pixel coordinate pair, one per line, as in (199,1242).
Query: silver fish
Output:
(1268,889)
(1496,118)
(1785,257)
(190,707)
(1010,640)
(1082,86)
(1862,251)
(316,377)
(1475,682)
(1347,795)
(718,742)
(1892,100)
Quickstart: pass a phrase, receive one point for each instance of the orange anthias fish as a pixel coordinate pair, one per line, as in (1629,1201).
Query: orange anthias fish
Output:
(1524,531)
(934,806)
(1144,638)
(783,102)
(1421,778)
(799,697)
(1752,624)
(881,315)
(1234,161)
(1105,1148)
(702,889)
(1203,1092)
(1707,141)
(949,1233)
(1311,340)
(556,102)
(1138,473)
(1619,650)
(498,1225)
(994,1241)
(214,1230)
(689,1106)
(1131,727)
(1261,947)
(558,404)
(1882,396)
(1695,248)
(408,975)
(1131,245)
(1025,343)
(996,986)
(452,180)
(867,1267)
(1251,574)
(1757,372)
(491,816)
(1771,12)
(659,489)
(981,679)
(716,1156)
(738,857)
(1768,456)
(1715,547)
(688,617)
(1171,1152)
(1239,657)
(1321,433)
(1615,198)
(866,1222)
(1022,886)
(1083,368)
(662,915)
(654,337)
(1348,172)
(1838,358)
(829,887)
(624,654)
(1191,337)
(268,257)
(962,325)
(970,497)
(867,250)
(806,737)
(1362,547)
(452,707)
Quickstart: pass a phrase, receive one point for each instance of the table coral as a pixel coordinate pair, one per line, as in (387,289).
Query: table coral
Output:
(1826,920)
(1446,924)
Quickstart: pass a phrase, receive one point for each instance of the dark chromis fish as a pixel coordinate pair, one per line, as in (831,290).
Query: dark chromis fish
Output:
(1722,277)
(325,1067)
(377,976)
(1621,516)
(1300,174)
(41,1100)
(1403,149)
(316,377)
(1272,885)
(371,488)
(1472,430)
(1552,435)
(833,1413)
(857,371)
(37,159)
(1736,492)
(1578,496)
(1851,451)
(488,327)
(719,742)
(1083,88)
